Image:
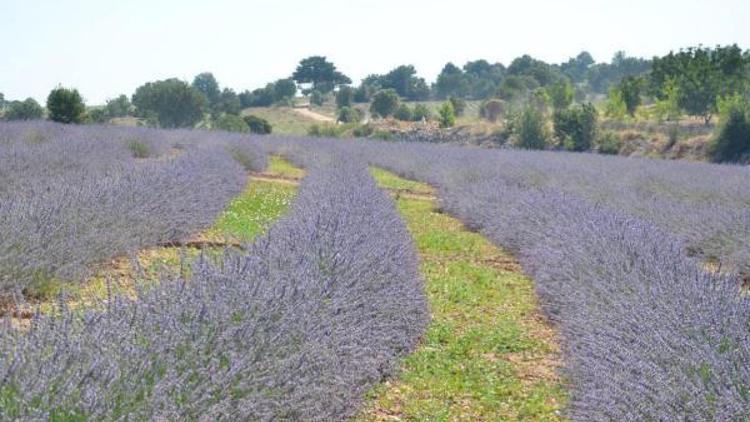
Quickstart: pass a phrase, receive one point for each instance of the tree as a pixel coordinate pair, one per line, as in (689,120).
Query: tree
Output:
(172,102)
(446,115)
(284,89)
(206,84)
(118,107)
(258,125)
(577,68)
(65,105)
(733,140)
(491,110)
(575,128)
(321,73)
(542,72)
(98,115)
(2,101)
(261,97)
(668,107)
(630,91)
(405,82)
(344,97)
(515,87)
(561,94)
(530,129)
(231,123)
(404,113)
(451,82)
(384,103)
(228,103)
(702,75)
(27,109)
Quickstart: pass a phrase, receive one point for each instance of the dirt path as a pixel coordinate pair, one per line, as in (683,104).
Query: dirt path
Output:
(314,116)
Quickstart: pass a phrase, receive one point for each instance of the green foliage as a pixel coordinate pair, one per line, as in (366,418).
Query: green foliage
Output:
(530,129)
(231,123)
(2,101)
(228,102)
(362,131)
(446,115)
(561,94)
(118,107)
(349,115)
(577,68)
(317,98)
(451,82)
(172,102)
(206,84)
(65,105)
(258,125)
(615,106)
(421,112)
(630,92)
(516,87)
(491,110)
(261,97)
(459,105)
(575,127)
(384,103)
(327,130)
(668,108)
(284,89)
(27,109)
(405,82)
(602,76)
(609,143)
(383,135)
(542,72)
(321,73)
(98,115)
(344,97)
(727,104)
(732,144)
(702,76)
(404,113)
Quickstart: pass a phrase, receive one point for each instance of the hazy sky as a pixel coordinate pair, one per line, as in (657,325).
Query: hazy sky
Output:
(105,48)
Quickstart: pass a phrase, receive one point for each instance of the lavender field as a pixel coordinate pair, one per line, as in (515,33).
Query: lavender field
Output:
(640,266)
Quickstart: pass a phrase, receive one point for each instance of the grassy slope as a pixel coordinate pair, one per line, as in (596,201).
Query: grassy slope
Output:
(487,354)
(286,121)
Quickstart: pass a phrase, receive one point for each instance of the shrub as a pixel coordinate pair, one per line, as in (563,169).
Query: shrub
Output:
(733,140)
(421,112)
(362,131)
(404,113)
(27,109)
(383,135)
(491,110)
(384,103)
(609,143)
(258,125)
(349,115)
(575,128)
(231,123)
(459,106)
(326,130)
(530,129)
(561,94)
(446,115)
(615,107)
(65,106)
(98,115)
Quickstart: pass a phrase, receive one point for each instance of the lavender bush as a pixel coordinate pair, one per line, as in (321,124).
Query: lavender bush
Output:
(647,332)
(73,196)
(296,328)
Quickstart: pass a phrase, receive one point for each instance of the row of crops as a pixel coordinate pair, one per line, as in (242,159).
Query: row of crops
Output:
(639,265)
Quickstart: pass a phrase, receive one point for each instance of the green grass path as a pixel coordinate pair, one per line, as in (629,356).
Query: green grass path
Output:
(487,354)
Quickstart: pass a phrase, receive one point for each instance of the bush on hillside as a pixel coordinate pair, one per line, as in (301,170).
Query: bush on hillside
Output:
(27,109)
(575,128)
(732,144)
(258,125)
(404,113)
(231,123)
(421,113)
(530,130)
(384,103)
(66,106)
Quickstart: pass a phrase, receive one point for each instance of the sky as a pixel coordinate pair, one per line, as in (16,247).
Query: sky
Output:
(105,48)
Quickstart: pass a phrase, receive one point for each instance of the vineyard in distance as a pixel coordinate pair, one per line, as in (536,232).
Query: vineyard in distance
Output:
(533,240)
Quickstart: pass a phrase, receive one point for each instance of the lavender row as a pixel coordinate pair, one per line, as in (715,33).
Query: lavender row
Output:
(647,332)
(299,327)
(71,197)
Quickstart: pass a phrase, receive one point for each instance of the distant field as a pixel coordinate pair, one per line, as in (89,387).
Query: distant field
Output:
(285,120)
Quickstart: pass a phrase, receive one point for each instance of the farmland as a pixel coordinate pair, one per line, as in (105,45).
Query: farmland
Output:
(305,278)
